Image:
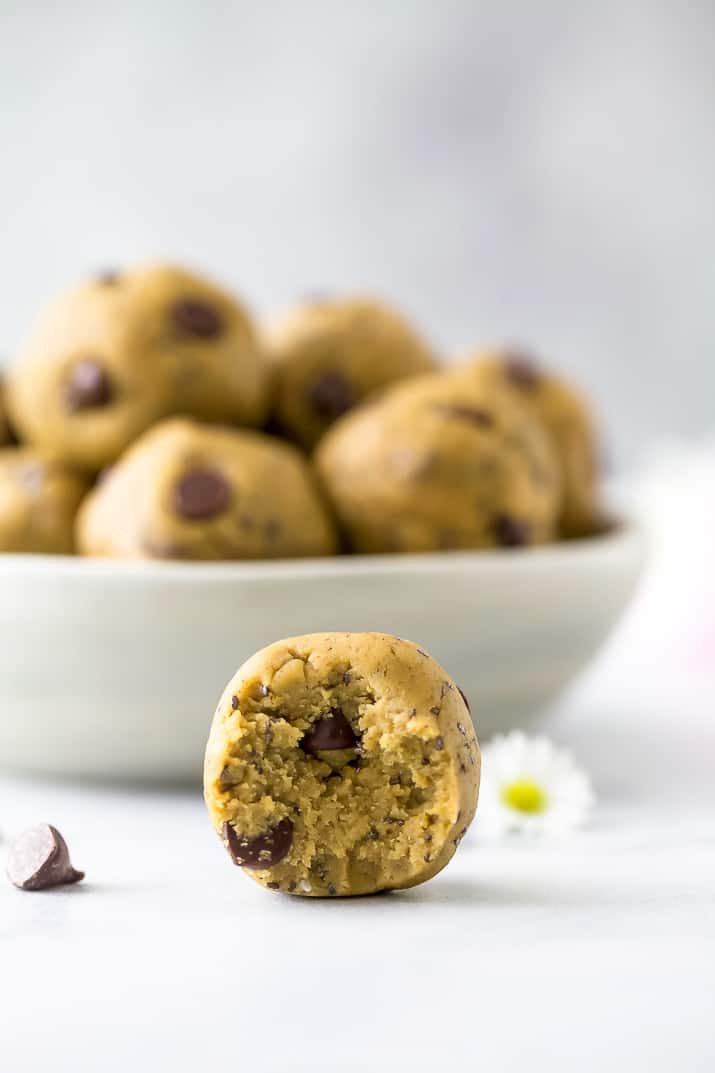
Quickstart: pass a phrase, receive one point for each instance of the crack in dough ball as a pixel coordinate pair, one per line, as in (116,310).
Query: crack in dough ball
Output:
(191,491)
(331,355)
(111,357)
(441,463)
(341,764)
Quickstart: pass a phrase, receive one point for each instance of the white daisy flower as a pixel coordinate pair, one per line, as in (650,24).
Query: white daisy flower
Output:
(531,786)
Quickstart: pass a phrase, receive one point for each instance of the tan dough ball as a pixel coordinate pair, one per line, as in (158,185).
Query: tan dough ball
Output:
(191,491)
(438,464)
(568,419)
(111,357)
(216,369)
(331,355)
(39,497)
(341,764)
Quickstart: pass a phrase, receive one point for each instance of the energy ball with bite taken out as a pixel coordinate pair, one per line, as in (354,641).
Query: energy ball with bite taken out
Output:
(330,355)
(111,357)
(341,764)
(568,420)
(191,491)
(441,464)
(39,498)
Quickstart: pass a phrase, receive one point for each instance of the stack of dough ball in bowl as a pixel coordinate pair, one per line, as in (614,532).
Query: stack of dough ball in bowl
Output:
(198,435)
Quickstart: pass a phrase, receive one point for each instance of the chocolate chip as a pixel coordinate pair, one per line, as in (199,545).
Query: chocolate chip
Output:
(262,851)
(331,396)
(331,732)
(522,371)
(194,316)
(331,889)
(201,493)
(510,532)
(427,858)
(263,690)
(39,859)
(373,834)
(439,744)
(474,415)
(444,689)
(88,387)
(226,779)
(464,698)
(346,678)
(234,702)
(435,710)
(273,886)
(291,885)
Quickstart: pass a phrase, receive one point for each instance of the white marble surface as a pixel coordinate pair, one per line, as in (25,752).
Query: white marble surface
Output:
(589,954)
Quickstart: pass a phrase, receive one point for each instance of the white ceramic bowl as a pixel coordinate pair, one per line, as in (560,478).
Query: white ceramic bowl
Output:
(114,668)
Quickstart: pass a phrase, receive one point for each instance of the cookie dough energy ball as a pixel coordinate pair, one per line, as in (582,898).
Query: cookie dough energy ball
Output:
(111,357)
(39,497)
(439,464)
(341,764)
(190,491)
(569,422)
(330,355)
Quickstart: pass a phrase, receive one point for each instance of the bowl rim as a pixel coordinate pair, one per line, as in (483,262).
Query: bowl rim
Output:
(623,535)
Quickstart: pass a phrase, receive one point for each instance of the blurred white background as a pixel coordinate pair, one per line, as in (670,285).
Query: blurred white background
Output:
(531,171)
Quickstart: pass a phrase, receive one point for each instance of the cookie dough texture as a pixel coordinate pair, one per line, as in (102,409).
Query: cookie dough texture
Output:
(191,491)
(111,357)
(331,355)
(441,463)
(39,497)
(567,418)
(341,764)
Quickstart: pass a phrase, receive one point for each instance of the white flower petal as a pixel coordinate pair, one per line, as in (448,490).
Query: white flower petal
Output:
(515,758)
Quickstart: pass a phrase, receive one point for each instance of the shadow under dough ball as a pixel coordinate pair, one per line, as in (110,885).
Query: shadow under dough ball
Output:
(341,764)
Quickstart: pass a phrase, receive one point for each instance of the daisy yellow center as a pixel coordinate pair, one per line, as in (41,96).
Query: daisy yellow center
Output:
(524,796)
